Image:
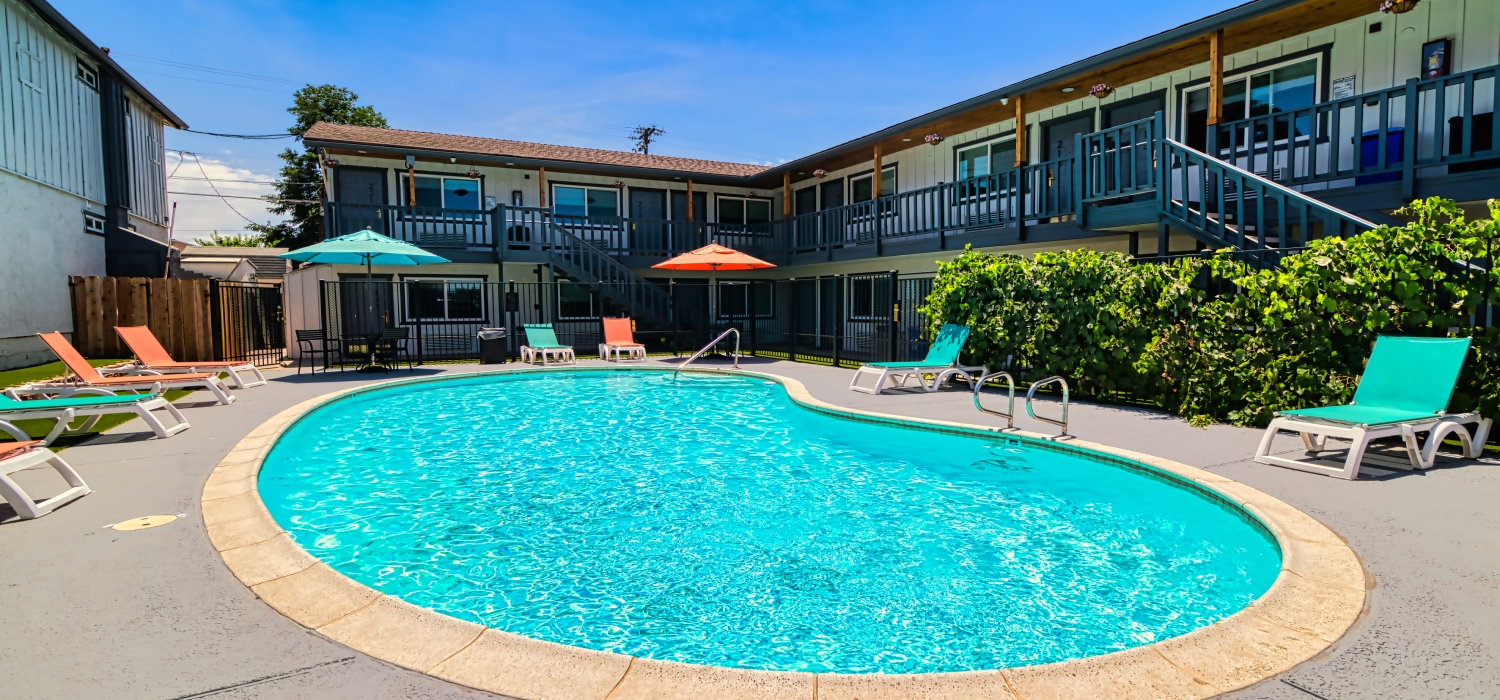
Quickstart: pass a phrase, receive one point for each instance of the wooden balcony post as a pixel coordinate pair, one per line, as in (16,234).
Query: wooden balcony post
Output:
(411,186)
(690,200)
(875,182)
(1216,77)
(541,186)
(786,195)
(1020,133)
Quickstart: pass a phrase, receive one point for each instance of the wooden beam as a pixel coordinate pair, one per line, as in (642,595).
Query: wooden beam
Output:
(690,199)
(1020,132)
(875,178)
(1216,77)
(411,186)
(786,195)
(541,186)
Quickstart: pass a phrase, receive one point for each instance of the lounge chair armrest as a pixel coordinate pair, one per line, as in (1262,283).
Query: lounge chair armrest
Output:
(12,395)
(14,432)
(92,391)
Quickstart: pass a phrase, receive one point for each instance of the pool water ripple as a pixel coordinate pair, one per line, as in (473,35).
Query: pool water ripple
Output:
(713,521)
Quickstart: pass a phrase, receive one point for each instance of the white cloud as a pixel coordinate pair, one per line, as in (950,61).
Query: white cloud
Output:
(199,216)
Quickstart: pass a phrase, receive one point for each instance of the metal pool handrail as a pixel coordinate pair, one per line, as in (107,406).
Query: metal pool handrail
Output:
(710,346)
(1010,414)
(1032,392)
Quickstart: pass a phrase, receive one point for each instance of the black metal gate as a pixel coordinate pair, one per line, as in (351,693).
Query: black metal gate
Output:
(248,325)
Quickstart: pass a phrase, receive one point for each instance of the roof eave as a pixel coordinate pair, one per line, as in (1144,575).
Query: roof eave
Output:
(66,28)
(1187,31)
(626,170)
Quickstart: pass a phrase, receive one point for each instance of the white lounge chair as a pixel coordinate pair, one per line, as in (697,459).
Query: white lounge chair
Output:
(941,362)
(541,344)
(1404,391)
(26,453)
(80,405)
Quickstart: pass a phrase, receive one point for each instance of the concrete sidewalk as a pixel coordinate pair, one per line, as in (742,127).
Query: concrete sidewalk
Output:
(92,612)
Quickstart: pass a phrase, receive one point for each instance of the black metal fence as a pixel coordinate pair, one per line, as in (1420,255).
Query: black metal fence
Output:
(840,320)
(247,321)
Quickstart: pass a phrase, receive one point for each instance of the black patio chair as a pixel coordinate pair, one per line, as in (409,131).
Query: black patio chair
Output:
(313,343)
(393,347)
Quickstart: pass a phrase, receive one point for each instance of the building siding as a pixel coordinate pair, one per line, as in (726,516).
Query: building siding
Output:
(148,184)
(49,119)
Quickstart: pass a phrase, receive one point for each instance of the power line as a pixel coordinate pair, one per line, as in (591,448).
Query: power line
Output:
(258,199)
(216,189)
(284,81)
(255,137)
(215,179)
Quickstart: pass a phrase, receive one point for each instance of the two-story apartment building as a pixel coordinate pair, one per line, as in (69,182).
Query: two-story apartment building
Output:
(1258,128)
(82,187)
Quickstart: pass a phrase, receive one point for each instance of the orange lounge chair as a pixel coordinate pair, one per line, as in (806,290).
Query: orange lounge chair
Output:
(151,355)
(618,339)
(86,377)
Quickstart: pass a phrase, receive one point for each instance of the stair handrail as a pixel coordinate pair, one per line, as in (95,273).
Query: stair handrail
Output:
(1010,415)
(1283,189)
(710,346)
(1031,393)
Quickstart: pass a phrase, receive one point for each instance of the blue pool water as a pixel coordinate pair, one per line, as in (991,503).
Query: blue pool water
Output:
(713,521)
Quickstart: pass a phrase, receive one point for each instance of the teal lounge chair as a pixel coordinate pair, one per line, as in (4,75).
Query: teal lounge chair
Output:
(941,363)
(541,344)
(77,405)
(1405,390)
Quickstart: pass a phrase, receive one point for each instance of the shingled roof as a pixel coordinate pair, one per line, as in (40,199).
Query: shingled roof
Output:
(327,134)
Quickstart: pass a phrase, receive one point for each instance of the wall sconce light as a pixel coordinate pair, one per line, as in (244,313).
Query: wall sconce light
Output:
(1004,100)
(820,173)
(933,138)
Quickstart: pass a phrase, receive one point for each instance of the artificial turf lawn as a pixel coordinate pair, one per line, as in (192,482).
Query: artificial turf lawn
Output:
(38,429)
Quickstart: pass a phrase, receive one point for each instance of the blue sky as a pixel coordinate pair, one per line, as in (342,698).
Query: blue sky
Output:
(747,81)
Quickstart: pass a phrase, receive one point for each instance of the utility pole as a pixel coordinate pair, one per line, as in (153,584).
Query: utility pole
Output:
(643,135)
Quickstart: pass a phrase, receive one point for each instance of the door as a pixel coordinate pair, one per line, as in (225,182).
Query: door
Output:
(831,196)
(1057,144)
(685,236)
(360,197)
(648,212)
(365,308)
(805,230)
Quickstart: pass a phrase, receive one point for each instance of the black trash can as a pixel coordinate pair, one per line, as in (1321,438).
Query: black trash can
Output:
(492,346)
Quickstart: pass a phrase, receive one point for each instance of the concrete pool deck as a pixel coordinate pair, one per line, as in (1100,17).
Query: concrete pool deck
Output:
(92,612)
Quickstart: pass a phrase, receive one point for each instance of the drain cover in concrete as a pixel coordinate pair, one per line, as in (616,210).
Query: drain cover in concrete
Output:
(144,523)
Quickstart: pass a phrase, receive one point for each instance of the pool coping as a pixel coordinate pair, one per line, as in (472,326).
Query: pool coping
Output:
(1317,597)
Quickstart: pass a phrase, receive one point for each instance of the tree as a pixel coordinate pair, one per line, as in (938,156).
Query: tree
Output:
(233,240)
(299,186)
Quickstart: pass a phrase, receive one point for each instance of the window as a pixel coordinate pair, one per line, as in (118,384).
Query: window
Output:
(88,75)
(861,188)
(445,300)
(734,300)
(443,192)
(987,158)
(576,301)
(742,211)
(1274,90)
(585,201)
(869,298)
(93,223)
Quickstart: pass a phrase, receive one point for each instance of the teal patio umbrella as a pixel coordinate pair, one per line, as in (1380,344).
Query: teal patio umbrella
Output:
(363,247)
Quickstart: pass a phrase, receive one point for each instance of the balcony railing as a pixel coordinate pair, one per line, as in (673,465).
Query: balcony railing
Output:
(1380,136)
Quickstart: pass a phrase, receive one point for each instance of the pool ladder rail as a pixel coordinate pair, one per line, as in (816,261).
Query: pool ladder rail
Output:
(710,346)
(1010,413)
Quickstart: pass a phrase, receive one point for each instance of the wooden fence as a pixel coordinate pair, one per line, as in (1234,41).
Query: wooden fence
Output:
(179,313)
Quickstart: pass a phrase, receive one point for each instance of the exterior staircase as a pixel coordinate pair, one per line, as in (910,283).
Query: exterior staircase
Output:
(580,260)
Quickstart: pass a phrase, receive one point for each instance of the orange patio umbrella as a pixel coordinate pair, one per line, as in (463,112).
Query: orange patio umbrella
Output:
(713,257)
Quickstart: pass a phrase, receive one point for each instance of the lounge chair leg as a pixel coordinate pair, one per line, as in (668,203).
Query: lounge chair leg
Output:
(161,430)
(18,498)
(217,387)
(1359,441)
(60,427)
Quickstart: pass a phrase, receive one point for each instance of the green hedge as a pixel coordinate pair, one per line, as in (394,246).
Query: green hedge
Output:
(1288,338)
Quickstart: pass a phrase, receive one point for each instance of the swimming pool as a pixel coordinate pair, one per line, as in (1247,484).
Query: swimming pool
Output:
(713,521)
